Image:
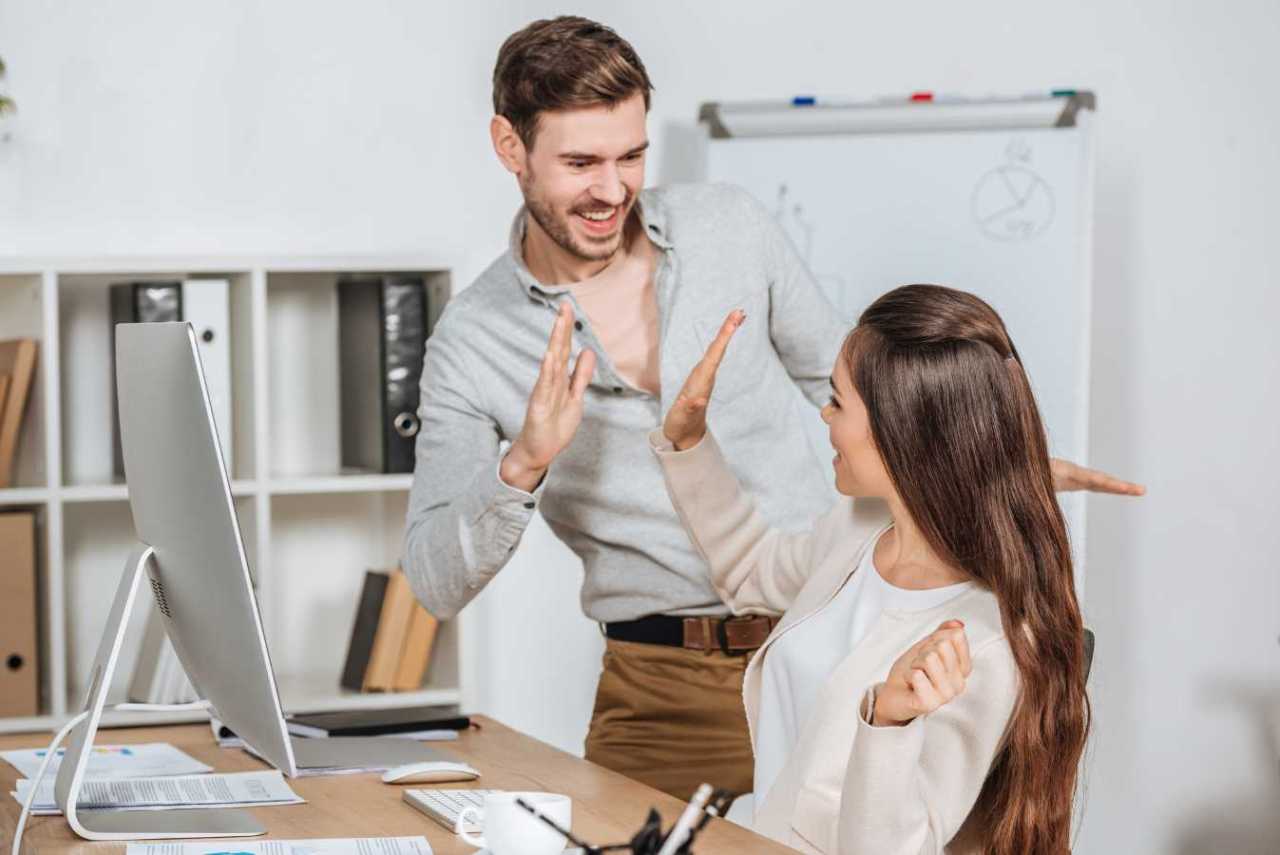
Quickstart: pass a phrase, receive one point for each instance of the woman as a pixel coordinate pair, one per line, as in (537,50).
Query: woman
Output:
(924,690)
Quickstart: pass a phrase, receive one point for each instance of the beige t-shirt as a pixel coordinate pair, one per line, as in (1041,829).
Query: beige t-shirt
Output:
(623,309)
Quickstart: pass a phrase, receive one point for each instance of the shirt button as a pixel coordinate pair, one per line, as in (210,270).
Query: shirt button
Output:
(530,505)
(577,325)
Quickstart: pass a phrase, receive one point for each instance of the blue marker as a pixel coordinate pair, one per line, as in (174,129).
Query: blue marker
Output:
(803,101)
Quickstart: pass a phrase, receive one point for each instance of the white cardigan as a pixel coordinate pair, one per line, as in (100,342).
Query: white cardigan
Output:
(850,787)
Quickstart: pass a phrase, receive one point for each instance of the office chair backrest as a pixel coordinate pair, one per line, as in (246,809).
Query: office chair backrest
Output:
(1088,651)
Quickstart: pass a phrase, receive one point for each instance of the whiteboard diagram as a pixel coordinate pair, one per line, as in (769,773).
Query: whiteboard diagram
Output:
(1003,214)
(1012,202)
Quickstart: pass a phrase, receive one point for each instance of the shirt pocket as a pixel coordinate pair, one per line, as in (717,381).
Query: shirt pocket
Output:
(746,363)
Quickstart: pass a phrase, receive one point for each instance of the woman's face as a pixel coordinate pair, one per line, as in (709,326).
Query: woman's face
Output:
(859,469)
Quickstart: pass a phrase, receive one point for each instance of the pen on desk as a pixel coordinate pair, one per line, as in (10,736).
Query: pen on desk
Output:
(680,831)
(718,806)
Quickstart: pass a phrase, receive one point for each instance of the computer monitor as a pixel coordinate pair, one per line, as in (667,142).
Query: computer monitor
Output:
(191,550)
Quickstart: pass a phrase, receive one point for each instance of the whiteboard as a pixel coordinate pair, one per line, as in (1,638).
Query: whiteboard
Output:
(1005,214)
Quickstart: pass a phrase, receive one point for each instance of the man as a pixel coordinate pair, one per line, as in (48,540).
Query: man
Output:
(571,346)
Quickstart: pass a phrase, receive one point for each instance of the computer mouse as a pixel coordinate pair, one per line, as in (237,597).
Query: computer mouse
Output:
(434,772)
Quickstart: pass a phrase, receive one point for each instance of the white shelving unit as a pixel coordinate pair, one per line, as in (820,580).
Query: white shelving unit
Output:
(311,529)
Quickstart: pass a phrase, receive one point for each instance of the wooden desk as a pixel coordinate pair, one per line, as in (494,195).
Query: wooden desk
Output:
(607,807)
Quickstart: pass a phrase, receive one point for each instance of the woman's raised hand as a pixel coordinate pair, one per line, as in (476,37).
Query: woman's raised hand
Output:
(931,673)
(686,421)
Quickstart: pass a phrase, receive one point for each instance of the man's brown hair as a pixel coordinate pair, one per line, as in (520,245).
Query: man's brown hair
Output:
(564,63)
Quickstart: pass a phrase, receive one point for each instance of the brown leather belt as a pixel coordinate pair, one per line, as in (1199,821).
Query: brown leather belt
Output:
(731,635)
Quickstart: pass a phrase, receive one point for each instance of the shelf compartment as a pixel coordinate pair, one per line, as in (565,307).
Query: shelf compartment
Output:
(98,536)
(84,322)
(47,646)
(304,418)
(321,546)
(22,315)
(85,527)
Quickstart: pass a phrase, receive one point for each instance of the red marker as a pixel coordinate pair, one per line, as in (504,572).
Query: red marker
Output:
(921,97)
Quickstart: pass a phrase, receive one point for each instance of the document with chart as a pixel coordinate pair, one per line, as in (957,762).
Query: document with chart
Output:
(146,760)
(235,789)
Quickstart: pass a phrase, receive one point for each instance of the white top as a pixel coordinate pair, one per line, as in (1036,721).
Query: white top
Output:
(847,786)
(798,663)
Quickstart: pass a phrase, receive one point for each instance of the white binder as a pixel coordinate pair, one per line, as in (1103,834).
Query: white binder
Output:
(205,306)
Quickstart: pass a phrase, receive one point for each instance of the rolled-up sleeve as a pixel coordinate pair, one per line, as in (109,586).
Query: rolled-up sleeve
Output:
(908,789)
(463,521)
(806,329)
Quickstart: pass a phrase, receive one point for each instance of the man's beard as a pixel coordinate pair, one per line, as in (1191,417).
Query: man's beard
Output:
(557,227)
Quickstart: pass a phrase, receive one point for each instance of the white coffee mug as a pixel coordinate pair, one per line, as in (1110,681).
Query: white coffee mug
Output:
(511,830)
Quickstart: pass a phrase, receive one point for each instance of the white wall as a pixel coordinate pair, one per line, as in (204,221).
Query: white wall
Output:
(308,127)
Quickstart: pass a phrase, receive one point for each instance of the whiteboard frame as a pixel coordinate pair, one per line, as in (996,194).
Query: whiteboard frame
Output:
(1075,110)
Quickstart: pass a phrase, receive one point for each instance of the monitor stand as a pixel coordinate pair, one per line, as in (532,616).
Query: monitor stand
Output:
(129,824)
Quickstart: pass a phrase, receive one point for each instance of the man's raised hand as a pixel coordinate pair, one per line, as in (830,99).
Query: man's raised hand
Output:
(554,410)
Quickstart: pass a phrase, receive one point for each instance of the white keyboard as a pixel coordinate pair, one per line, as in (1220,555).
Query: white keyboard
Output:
(444,805)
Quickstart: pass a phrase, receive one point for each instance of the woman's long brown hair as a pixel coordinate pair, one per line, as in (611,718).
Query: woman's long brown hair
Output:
(955,421)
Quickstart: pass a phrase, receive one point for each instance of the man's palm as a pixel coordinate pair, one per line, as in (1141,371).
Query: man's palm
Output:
(556,402)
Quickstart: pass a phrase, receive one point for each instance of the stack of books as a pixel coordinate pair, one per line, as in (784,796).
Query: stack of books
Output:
(422,723)
(391,641)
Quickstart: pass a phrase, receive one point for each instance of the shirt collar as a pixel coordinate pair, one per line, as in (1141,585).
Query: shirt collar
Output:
(653,218)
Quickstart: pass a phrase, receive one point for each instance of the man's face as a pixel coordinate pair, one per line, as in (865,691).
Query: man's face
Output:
(583,173)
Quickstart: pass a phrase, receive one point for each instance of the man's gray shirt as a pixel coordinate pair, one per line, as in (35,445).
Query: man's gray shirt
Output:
(604,496)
